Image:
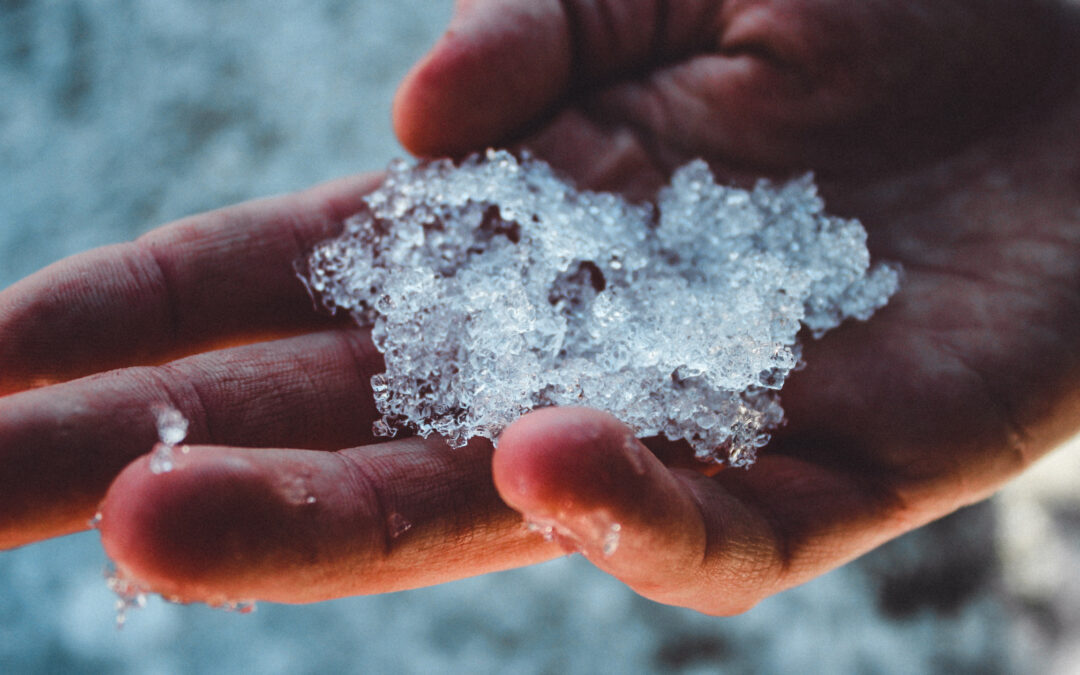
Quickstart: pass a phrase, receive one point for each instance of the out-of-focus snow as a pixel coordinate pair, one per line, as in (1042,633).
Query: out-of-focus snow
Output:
(118,116)
(1039,540)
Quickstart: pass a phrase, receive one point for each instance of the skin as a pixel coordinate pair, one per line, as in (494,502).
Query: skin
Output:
(949,128)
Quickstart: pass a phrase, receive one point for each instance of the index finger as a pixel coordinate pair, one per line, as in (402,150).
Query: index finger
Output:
(205,281)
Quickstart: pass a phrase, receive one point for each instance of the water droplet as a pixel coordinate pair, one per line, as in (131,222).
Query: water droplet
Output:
(172,426)
(161,459)
(397,525)
(237,606)
(552,531)
(544,529)
(610,543)
(129,594)
(295,490)
(172,429)
(227,604)
(595,533)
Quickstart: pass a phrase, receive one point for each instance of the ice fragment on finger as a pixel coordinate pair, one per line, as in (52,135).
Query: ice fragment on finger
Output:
(172,426)
(494,287)
(610,542)
(397,525)
(161,459)
(172,429)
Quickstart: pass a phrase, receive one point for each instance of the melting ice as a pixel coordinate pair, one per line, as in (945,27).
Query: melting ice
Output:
(494,287)
(172,428)
(129,595)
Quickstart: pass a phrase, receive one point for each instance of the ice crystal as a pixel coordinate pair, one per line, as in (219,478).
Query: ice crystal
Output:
(494,287)
(397,525)
(610,542)
(172,428)
(592,533)
(129,594)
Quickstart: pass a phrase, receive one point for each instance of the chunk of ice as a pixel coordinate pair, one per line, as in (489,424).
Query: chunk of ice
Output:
(172,430)
(162,459)
(495,287)
(172,426)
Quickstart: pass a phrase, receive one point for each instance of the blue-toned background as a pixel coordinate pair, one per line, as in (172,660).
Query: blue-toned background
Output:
(119,115)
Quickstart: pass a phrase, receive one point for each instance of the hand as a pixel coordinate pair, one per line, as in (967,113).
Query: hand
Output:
(960,382)
(948,128)
(207,316)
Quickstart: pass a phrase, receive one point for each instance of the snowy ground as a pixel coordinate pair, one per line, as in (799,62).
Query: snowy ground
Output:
(117,116)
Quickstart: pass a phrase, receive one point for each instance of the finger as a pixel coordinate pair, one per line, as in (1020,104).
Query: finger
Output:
(758,87)
(616,94)
(499,65)
(300,526)
(61,446)
(503,65)
(587,478)
(718,545)
(222,277)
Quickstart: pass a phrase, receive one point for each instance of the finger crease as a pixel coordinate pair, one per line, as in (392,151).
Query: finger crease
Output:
(1017,437)
(365,487)
(190,403)
(165,282)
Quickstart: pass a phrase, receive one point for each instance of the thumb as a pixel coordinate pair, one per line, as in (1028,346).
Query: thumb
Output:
(715,544)
(582,478)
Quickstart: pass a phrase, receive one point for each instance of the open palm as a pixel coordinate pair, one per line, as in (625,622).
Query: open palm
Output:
(948,128)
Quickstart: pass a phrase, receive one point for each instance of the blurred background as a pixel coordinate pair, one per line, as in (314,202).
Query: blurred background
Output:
(120,115)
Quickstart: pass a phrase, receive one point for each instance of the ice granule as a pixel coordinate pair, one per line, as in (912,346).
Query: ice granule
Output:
(495,287)
(172,428)
(129,594)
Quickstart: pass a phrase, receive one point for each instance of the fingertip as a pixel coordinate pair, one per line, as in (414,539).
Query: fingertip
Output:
(582,477)
(499,66)
(556,457)
(193,531)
